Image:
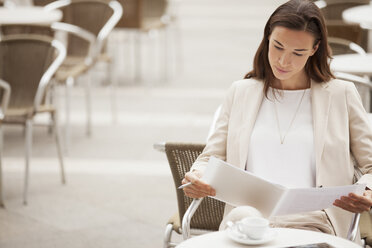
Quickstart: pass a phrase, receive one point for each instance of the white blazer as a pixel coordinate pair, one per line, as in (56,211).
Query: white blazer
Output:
(341,128)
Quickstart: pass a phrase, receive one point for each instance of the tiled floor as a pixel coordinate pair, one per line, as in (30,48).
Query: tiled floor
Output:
(119,190)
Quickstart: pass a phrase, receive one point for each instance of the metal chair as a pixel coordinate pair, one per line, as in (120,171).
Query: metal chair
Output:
(96,17)
(27,64)
(208,217)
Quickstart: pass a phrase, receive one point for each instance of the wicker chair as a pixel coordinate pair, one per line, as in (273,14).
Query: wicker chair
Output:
(332,10)
(209,215)
(97,17)
(27,63)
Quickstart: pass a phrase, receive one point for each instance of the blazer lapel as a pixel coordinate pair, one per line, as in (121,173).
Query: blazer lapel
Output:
(251,105)
(320,102)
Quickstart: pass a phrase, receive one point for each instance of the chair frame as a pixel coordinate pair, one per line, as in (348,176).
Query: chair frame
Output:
(180,157)
(40,93)
(3,107)
(96,43)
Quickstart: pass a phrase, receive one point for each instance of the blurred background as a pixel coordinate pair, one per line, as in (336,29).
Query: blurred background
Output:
(157,74)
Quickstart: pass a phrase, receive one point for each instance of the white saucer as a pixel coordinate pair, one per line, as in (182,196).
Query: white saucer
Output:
(234,234)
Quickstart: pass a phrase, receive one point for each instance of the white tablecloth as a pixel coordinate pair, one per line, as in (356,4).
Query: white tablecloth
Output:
(286,237)
(29,15)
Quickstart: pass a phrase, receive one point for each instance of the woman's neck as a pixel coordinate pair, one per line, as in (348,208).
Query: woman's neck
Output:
(290,84)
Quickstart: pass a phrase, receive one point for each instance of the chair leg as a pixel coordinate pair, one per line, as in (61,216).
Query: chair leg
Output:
(58,143)
(168,235)
(1,170)
(138,56)
(28,148)
(69,84)
(88,99)
(51,100)
(114,110)
(165,54)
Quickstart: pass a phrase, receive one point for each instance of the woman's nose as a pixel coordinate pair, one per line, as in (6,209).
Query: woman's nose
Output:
(284,59)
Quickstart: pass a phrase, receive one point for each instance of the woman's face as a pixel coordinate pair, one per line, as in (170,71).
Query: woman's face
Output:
(289,51)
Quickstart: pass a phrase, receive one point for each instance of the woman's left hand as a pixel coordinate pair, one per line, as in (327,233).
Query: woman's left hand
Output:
(355,203)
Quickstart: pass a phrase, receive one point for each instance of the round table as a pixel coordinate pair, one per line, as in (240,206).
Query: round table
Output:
(286,237)
(29,15)
(353,63)
(360,14)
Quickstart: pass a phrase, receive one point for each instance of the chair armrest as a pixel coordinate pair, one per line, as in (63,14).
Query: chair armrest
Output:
(45,79)
(6,97)
(186,220)
(109,25)
(79,32)
(159,146)
(353,229)
(362,81)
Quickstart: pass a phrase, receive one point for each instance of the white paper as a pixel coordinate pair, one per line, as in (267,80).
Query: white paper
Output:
(241,188)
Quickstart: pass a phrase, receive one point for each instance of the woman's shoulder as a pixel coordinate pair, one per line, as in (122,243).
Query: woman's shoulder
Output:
(339,85)
(246,83)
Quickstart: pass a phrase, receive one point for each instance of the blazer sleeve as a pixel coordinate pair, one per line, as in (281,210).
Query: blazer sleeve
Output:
(216,144)
(360,134)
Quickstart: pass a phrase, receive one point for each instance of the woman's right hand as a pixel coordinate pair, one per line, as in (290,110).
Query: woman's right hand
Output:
(198,189)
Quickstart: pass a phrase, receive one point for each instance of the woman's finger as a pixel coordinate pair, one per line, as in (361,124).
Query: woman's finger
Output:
(194,194)
(200,190)
(347,205)
(364,200)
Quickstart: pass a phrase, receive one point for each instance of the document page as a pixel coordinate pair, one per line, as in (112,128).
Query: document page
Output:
(238,187)
(311,199)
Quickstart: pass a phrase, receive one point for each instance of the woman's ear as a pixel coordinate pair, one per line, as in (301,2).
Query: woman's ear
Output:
(315,48)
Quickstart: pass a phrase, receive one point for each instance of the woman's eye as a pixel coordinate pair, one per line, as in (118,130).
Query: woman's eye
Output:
(279,48)
(297,54)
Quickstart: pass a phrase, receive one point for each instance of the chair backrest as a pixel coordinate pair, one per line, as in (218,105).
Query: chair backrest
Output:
(27,63)
(181,156)
(42,2)
(12,29)
(342,46)
(136,11)
(96,16)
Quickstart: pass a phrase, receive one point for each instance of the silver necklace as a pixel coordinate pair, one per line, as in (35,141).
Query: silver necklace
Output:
(294,117)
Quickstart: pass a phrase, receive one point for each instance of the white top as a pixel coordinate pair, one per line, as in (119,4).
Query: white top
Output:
(291,164)
(29,15)
(286,237)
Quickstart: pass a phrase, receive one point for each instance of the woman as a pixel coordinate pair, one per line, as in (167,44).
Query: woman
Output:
(292,123)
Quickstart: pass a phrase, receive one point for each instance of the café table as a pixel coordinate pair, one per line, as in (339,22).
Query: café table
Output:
(29,15)
(353,63)
(286,237)
(360,14)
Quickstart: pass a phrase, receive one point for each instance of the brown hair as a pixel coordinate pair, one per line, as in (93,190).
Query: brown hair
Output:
(301,15)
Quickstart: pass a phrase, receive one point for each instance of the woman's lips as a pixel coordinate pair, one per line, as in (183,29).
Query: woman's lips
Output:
(281,70)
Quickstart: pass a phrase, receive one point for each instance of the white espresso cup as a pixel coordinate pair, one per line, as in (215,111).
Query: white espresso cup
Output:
(253,227)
